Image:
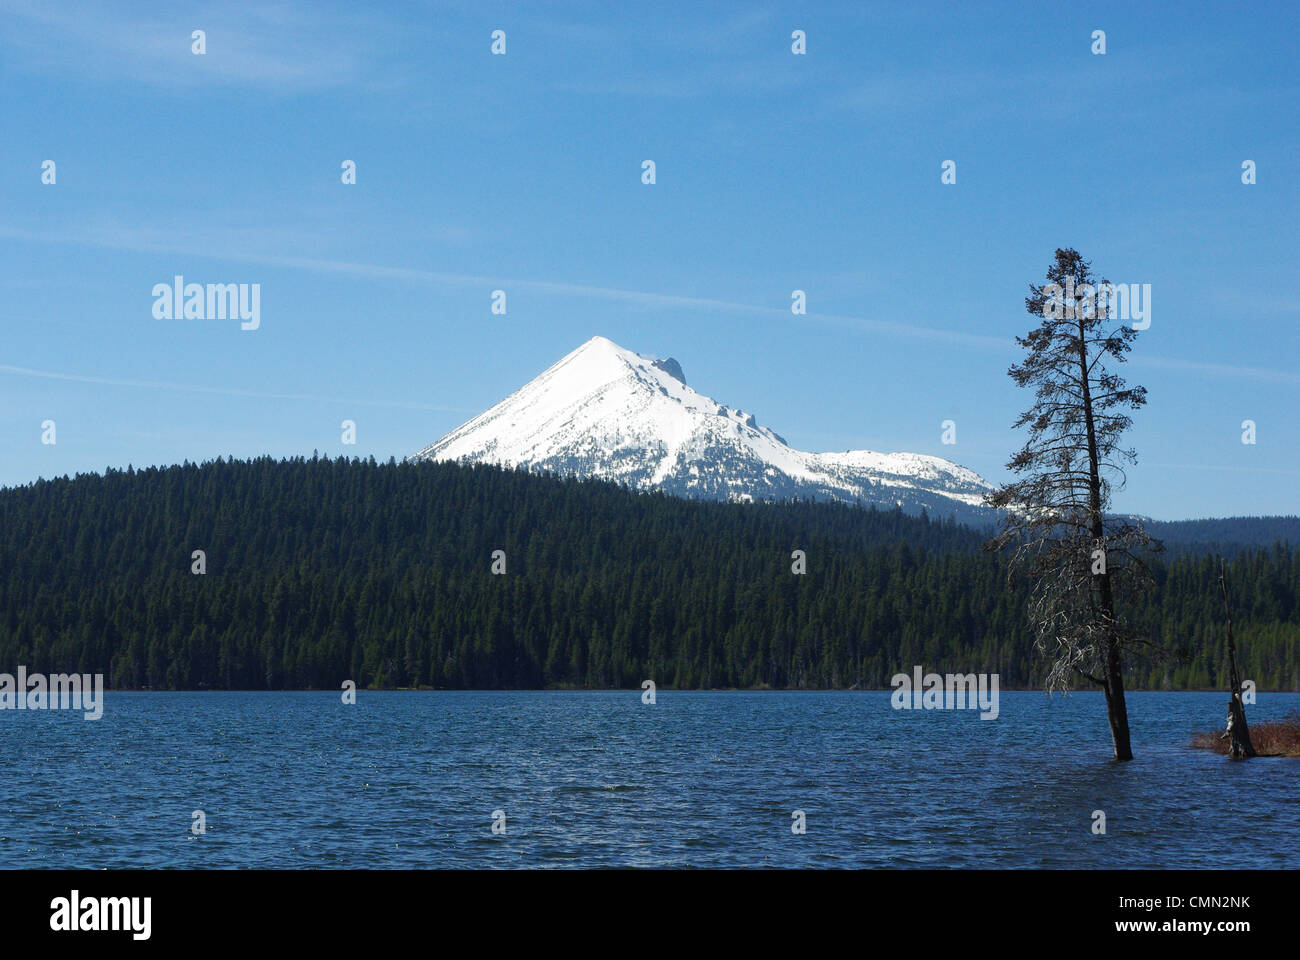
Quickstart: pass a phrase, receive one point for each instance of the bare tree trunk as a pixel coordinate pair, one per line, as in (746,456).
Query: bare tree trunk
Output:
(1240,747)
(1116,707)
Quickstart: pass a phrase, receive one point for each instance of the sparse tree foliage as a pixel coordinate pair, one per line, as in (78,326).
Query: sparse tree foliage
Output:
(1083,563)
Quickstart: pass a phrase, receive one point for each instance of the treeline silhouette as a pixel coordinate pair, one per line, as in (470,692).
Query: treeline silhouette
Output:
(320,571)
(1227,535)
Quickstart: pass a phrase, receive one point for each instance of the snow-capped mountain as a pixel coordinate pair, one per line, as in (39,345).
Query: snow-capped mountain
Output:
(607,412)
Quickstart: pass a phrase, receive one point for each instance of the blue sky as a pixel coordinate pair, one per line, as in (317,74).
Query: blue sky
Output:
(522,172)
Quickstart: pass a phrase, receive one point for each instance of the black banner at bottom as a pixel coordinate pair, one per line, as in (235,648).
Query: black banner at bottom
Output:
(1223,909)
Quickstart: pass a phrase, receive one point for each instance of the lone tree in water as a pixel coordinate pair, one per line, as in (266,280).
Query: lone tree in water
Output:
(1082,563)
(1238,733)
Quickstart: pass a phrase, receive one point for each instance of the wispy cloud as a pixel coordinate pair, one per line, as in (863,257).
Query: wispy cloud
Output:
(719,55)
(145,242)
(223,391)
(709,80)
(1223,466)
(142,242)
(1218,369)
(273,46)
(974,97)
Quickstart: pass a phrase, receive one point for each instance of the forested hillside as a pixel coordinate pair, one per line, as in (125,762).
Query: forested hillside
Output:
(1227,535)
(319,571)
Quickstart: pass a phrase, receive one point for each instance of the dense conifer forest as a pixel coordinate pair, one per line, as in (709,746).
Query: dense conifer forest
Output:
(320,571)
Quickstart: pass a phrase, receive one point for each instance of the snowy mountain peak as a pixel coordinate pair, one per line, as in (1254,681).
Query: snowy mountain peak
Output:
(602,354)
(605,411)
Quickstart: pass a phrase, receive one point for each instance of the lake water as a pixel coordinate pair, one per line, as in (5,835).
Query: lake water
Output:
(699,779)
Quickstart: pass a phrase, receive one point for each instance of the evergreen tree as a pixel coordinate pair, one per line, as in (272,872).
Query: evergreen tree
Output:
(1080,559)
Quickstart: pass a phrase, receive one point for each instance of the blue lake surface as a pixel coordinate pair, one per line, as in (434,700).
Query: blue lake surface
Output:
(599,779)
